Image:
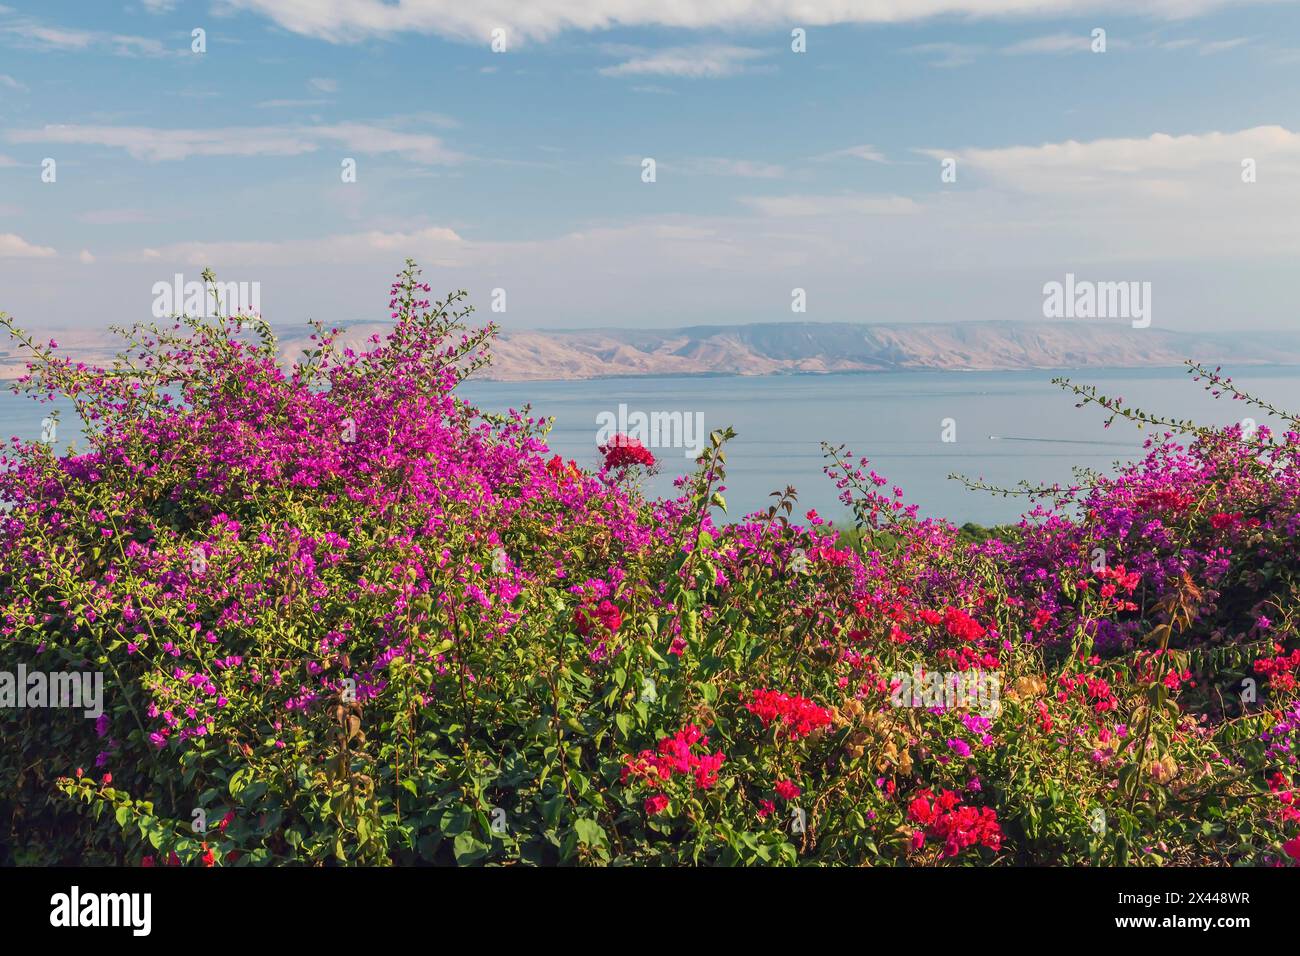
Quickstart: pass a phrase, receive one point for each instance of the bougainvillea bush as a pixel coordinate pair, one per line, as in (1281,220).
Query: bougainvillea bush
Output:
(343,617)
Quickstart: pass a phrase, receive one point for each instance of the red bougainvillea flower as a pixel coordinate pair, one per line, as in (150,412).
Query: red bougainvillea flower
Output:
(656,805)
(604,617)
(623,452)
(798,716)
(1292,848)
(944,818)
(787,789)
(961,625)
(676,755)
(561,471)
(1280,670)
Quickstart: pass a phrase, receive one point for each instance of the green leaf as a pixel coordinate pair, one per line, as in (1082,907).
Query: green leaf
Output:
(239,781)
(468,849)
(589,832)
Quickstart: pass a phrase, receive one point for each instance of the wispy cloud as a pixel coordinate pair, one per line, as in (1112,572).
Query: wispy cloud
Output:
(947,55)
(1160,165)
(942,54)
(865,151)
(437,245)
(161,145)
(543,19)
(801,206)
(1219,46)
(14,246)
(950,55)
(739,168)
(291,104)
(1052,43)
(32,33)
(691,62)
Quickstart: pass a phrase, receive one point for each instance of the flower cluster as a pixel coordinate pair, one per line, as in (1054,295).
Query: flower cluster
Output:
(623,452)
(957,827)
(673,756)
(797,716)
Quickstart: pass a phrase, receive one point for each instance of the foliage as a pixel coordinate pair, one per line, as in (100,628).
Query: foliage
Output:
(345,618)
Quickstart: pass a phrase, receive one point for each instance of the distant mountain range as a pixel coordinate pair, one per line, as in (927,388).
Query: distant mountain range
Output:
(792,347)
(813,347)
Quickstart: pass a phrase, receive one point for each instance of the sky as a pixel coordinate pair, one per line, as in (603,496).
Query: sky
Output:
(503,144)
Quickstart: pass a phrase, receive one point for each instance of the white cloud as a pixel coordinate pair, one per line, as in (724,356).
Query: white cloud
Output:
(1156,165)
(1052,43)
(691,62)
(8,81)
(435,245)
(86,257)
(14,246)
(160,145)
(27,31)
(960,54)
(323,84)
(1219,46)
(833,205)
(541,19)
(865,151)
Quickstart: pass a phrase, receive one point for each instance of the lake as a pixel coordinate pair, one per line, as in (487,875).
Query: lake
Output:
(1007,426)
(896,420)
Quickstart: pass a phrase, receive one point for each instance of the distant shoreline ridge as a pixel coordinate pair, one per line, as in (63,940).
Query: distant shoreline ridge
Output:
(802,348)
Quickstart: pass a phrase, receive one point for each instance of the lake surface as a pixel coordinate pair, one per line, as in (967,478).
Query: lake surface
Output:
(893,418)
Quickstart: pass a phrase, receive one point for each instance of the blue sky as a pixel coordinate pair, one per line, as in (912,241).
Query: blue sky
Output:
(776,170)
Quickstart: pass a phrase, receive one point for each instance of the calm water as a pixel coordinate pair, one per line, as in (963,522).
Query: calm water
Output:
(894,419)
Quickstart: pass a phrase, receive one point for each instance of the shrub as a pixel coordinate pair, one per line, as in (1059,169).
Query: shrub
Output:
(345,617)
